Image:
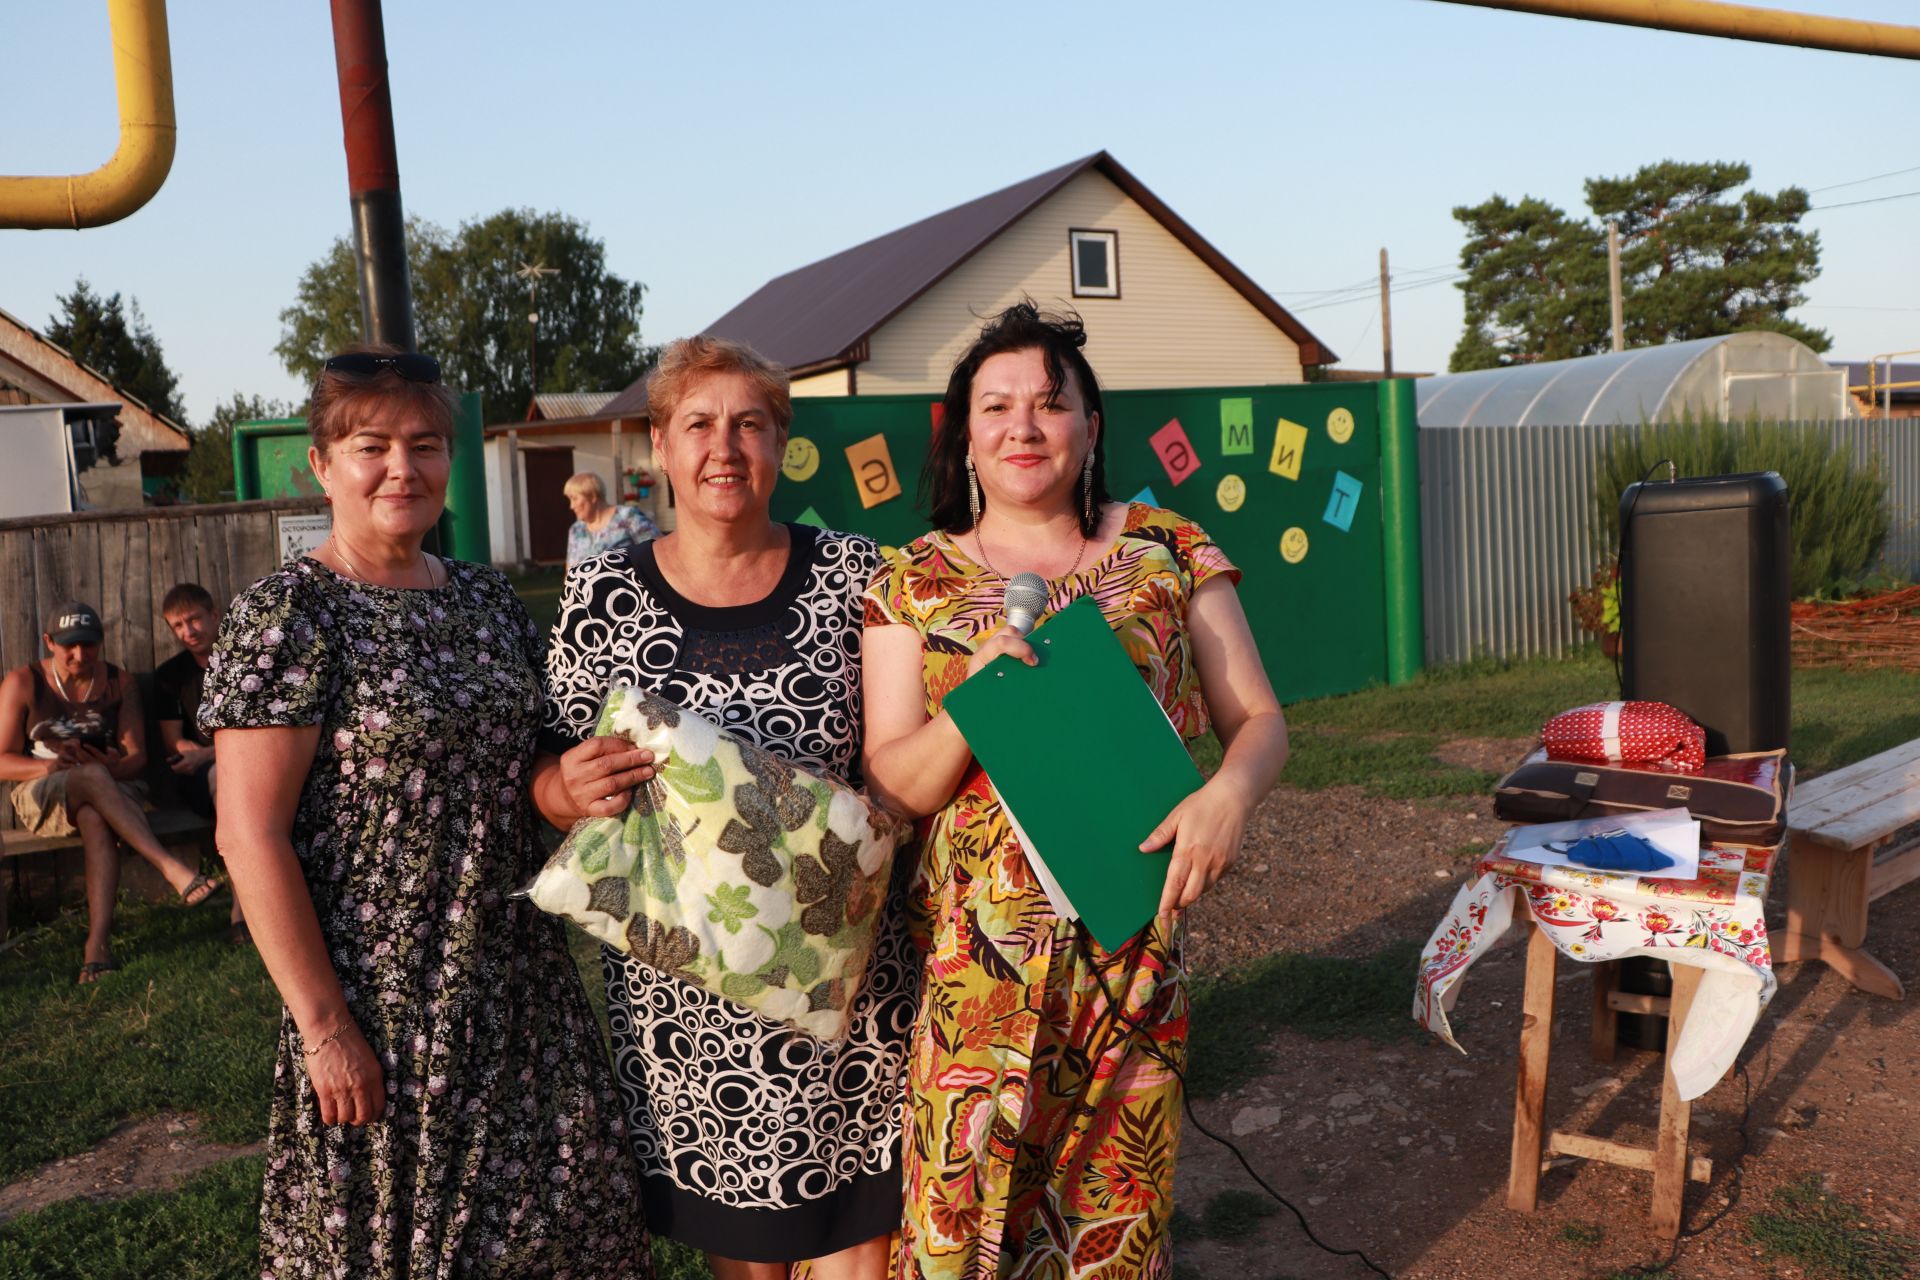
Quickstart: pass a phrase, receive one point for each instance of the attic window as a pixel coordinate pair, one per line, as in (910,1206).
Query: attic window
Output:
(1096,263)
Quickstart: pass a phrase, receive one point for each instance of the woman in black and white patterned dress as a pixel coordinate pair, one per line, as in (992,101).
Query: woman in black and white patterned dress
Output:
(757,1144)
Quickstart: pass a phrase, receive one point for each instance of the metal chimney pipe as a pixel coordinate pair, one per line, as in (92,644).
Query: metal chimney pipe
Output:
(373,172)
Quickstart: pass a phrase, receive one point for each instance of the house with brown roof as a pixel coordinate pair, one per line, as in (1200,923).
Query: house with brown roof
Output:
(135,443)
(1163,308)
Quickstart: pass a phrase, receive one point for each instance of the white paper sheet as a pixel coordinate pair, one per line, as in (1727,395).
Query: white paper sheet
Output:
(1674,832)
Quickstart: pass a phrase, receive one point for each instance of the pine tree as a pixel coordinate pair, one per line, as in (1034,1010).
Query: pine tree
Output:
(113,339)
(1695,263)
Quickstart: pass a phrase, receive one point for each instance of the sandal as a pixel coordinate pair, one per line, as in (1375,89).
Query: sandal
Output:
(238,934)
(94,970)
(199,889)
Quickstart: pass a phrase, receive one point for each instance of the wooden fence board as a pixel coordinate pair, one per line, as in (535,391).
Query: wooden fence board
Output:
(126,603)
(123,563)
(19,623)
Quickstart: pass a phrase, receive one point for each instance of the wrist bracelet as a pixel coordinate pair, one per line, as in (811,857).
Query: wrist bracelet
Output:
(307,1051)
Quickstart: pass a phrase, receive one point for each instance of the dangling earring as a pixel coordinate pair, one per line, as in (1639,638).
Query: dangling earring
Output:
(1086,487)
(973,492)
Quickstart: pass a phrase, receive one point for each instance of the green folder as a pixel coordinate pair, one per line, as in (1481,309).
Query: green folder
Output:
(1086,763)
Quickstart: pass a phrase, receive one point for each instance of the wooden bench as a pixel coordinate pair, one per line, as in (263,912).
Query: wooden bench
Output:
(1841,856)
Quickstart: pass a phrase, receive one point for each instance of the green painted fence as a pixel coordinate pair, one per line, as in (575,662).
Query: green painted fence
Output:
(1313,491)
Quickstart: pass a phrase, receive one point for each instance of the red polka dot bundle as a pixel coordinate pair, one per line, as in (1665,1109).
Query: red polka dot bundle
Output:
(1647,733)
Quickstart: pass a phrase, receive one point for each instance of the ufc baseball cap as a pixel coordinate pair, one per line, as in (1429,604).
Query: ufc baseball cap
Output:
(75,623)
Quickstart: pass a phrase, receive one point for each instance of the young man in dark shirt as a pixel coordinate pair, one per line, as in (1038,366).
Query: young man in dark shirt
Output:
(194,621)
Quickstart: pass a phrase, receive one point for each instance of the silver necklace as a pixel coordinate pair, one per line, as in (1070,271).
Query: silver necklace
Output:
(339,551)
(53,669)
(980,539)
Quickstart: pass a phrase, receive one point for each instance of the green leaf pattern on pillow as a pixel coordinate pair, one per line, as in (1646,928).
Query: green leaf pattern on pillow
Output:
(731,869)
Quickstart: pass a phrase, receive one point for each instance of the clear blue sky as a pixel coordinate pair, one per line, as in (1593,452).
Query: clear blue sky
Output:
(712,147)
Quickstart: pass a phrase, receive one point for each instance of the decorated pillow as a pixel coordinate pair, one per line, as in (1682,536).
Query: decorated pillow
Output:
(731,869)
(1644,733)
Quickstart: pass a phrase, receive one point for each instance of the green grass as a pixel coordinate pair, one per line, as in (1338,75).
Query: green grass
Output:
(1379,738)
(187,1024)
(1841,715)
(1472,700)
(1826,1234)
(539,590)
(1233,1015)
(204,1230)
(1396,767)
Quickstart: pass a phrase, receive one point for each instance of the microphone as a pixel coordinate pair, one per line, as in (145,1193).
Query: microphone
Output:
(1026,598)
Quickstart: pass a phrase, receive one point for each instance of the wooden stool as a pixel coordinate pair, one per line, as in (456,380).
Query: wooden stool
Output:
(1668,1159)
(1841,858)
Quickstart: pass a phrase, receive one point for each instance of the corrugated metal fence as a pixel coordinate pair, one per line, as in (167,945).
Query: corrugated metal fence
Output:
(1507,527)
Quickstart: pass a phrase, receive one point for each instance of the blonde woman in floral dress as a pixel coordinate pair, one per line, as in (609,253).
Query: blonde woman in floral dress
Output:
(1042,1124)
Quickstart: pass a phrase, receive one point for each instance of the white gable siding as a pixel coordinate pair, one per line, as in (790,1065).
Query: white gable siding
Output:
(1176,323)
(831,383)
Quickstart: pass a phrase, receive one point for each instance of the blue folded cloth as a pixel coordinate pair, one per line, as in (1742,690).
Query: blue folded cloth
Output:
(1616,851)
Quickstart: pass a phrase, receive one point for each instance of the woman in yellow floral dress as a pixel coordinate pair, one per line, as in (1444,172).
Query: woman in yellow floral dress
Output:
(1043,1124)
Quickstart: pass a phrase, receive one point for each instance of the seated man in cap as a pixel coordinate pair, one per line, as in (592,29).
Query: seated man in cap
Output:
(194,620)
(73,744)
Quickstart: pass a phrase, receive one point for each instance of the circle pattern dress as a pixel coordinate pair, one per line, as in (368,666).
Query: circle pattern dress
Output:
(504,1149)
(755,1142)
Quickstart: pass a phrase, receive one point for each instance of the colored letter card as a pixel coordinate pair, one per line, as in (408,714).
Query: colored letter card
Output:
(1236,426)
(1342,502)
(873,473)
(1289,448)
(1175,451)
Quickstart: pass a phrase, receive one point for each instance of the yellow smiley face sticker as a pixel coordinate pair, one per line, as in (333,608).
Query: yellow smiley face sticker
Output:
(801,461)
(1340,426)
(1230,492)
(1293,545)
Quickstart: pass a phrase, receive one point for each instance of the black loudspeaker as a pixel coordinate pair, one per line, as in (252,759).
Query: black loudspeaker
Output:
(1704,604)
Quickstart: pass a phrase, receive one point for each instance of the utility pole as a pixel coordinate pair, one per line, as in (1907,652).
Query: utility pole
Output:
(1613,287)
(531,273)
(1386,319)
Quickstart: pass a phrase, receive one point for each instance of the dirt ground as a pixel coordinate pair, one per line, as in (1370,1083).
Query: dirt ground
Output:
(154,1154)
(1401,1149)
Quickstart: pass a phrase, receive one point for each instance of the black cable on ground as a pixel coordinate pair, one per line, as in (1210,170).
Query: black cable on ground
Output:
(1144,1040)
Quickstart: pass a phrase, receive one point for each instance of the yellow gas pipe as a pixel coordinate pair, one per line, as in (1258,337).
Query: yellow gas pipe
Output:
(143,80)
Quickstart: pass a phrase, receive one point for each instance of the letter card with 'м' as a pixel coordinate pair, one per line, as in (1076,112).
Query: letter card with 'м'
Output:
(1086,763)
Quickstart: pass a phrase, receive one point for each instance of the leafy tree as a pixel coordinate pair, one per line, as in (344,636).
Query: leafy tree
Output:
(1696,262)
(113,337)
(470,309)
(208,476)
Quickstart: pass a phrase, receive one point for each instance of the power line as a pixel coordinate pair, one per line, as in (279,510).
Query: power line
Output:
(1368,287)
(1373,293)
(1860,181)
(1848,204)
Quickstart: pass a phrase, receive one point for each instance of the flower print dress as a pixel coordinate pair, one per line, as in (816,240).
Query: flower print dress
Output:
(627,526)
(1042,1137)
(504,1150)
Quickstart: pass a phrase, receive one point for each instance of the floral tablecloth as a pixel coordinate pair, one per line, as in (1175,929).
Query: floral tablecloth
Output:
(1715,922)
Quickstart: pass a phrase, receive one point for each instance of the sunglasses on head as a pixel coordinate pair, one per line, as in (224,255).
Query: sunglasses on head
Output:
(410,365)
